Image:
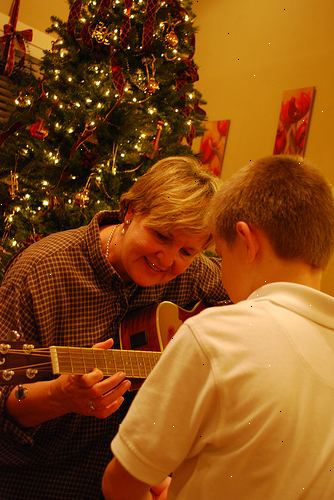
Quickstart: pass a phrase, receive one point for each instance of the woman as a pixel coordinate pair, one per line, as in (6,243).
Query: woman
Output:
(73,289)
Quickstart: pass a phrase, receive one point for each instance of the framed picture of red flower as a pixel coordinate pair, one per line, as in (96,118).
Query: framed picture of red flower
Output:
(294,121)
(210,147)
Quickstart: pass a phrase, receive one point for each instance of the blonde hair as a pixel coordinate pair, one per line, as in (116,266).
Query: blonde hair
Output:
(173,194)
(285,197)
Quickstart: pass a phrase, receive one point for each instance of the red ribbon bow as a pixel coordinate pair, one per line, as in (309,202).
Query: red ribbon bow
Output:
(11,36)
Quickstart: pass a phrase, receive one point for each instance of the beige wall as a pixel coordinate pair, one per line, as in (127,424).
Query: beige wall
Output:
(248,52)
(37,13)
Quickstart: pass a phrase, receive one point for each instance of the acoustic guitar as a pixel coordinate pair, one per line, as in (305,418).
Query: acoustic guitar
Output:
(143,335)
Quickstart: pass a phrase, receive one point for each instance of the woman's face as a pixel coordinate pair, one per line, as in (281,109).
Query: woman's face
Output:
(149,257)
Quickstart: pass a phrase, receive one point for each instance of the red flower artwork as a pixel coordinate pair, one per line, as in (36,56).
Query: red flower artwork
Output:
(294,121)
(212,146)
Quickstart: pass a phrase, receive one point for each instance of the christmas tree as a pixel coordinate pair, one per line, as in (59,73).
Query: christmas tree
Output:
(116,94)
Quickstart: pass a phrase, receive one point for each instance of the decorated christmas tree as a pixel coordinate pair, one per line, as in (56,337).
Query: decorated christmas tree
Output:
(116,93)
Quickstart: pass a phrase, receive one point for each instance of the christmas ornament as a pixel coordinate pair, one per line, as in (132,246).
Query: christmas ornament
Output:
(38,129)
(112,161)
(152,85)
(160,125)
(101,34)
(23,100)
(88,132)
(82,198)
(191,134)
(172,39)
(11,36)
(13,184)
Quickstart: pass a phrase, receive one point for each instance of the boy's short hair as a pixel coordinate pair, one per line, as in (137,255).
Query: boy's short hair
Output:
(288,199)
(174,193)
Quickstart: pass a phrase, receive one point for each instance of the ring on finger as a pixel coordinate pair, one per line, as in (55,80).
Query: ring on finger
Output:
(91,405)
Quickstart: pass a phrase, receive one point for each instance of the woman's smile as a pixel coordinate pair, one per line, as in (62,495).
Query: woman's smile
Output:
(155,267)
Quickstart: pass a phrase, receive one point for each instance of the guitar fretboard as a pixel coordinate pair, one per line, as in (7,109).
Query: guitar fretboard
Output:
(80,360)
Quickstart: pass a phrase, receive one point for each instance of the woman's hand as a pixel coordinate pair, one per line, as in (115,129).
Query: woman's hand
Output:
(91,394)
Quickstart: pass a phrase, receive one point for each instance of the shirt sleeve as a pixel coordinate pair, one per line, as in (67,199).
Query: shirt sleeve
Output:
(170,416)
(15,314)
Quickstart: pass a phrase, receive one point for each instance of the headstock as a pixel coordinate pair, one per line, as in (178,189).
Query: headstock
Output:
(21,362)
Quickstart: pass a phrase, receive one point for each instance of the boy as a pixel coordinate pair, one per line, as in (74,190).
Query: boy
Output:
(241,404)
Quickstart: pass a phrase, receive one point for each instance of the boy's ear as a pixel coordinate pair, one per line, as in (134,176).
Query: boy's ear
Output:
(250,239)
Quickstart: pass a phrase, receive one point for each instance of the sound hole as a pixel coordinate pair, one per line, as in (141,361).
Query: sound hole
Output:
(138,339)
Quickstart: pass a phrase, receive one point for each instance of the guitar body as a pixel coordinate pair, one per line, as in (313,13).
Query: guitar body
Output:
(152,327)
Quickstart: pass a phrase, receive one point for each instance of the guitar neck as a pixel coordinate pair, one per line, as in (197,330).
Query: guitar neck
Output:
(81,360)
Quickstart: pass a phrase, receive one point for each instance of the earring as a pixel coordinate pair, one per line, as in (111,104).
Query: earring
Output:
(127,222)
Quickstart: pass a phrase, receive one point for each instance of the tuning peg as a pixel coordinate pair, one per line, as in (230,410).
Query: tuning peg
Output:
(27,348)
(4,348)
(7,375)
(31,373)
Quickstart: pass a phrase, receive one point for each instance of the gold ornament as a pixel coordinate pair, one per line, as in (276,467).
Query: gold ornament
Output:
(111,163)
(23,100)
(172,39)
(14,184)
(82,198)
(102,34)
(152,85)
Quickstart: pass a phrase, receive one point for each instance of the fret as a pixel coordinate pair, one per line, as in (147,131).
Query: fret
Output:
(79,360)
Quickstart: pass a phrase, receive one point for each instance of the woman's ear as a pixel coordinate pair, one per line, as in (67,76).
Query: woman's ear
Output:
(129,213)
(249,238)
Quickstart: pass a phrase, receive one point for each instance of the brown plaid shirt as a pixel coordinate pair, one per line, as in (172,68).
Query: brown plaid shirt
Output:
(62,291)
